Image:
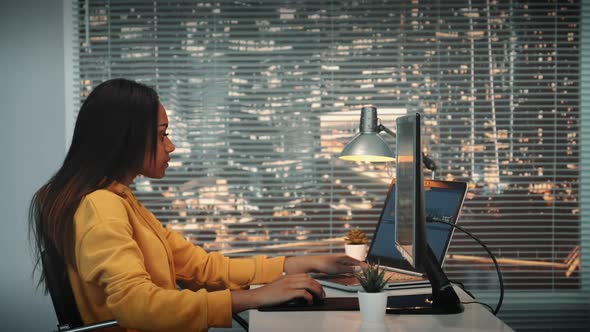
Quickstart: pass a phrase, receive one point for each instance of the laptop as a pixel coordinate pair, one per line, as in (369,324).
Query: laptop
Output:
(444,200)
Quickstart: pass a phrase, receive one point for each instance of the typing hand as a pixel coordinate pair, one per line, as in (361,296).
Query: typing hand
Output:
(287,288)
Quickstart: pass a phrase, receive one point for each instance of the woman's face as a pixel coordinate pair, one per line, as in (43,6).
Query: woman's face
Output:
(156,167)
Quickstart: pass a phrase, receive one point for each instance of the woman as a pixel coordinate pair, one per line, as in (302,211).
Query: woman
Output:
(121,263)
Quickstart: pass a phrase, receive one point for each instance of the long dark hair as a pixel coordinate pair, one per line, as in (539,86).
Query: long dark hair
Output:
(115,125)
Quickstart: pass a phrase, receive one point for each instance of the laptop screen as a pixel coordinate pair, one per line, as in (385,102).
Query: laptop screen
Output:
(443,200)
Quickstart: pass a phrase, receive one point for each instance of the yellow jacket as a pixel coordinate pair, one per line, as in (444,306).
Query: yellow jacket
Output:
(127,266)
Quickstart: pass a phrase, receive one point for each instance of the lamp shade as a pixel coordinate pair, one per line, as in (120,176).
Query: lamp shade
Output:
(367,145)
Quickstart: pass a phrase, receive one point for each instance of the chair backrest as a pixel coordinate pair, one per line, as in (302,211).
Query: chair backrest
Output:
(60,290)
(58,285)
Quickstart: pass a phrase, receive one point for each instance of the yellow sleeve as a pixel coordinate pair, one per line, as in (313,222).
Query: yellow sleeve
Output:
(107,256)
(215,271)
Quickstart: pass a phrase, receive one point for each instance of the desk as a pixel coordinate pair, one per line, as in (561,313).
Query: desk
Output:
(475,318)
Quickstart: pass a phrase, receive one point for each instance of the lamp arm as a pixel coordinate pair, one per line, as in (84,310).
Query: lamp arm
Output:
(428,163)
(381,128)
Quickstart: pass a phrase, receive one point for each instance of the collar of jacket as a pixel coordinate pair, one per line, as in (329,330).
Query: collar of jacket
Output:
(151,220)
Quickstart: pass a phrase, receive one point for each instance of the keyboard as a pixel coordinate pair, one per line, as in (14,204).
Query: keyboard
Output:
(396,276)
(350,279)
(327,304)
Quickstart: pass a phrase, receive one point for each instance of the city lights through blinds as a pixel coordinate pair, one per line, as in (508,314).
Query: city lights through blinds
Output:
(262,97)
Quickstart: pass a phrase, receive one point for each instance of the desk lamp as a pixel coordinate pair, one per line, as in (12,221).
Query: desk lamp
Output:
(367,145)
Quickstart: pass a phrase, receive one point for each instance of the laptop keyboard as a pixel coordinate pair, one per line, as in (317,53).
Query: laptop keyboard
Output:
(350,279)
(396,276)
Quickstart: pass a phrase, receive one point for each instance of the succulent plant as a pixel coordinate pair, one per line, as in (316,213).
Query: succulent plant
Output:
(372,278)
(356,236)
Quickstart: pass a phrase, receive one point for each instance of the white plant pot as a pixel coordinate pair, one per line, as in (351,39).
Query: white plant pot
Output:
(372,306)
(358,251)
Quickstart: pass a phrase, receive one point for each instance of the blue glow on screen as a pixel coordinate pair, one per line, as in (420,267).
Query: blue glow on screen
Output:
(441,204)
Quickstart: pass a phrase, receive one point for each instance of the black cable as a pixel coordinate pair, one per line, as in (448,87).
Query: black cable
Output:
(463,288)
(500,280)
(243,323)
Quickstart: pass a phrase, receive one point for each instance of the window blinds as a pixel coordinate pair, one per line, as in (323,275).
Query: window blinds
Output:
(263,95)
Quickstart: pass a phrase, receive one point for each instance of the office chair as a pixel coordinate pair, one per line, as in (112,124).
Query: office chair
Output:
(64,303)
(62,296)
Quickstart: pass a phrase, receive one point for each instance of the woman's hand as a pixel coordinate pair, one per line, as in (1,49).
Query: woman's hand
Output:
(281,290)
(296,283)
(330,264)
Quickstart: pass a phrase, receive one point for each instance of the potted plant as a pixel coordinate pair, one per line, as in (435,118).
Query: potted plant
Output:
(372,300)
(356,244)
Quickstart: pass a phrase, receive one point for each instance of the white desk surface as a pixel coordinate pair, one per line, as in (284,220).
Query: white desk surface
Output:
(476,317)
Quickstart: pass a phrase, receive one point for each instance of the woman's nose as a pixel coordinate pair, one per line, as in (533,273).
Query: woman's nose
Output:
(170,146)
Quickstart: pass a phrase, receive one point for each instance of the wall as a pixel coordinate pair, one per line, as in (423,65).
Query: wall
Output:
(32,116)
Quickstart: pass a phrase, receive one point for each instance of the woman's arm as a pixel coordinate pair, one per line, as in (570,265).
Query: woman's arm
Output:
(192,263)
(215,271)
(331,264)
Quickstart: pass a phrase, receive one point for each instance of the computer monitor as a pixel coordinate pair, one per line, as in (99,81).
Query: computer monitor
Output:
(410,234)
(410,214)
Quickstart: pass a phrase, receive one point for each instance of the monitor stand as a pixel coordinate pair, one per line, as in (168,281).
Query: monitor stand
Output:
(442,301)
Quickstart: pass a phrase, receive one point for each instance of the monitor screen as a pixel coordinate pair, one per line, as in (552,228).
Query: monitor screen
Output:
(410,225)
